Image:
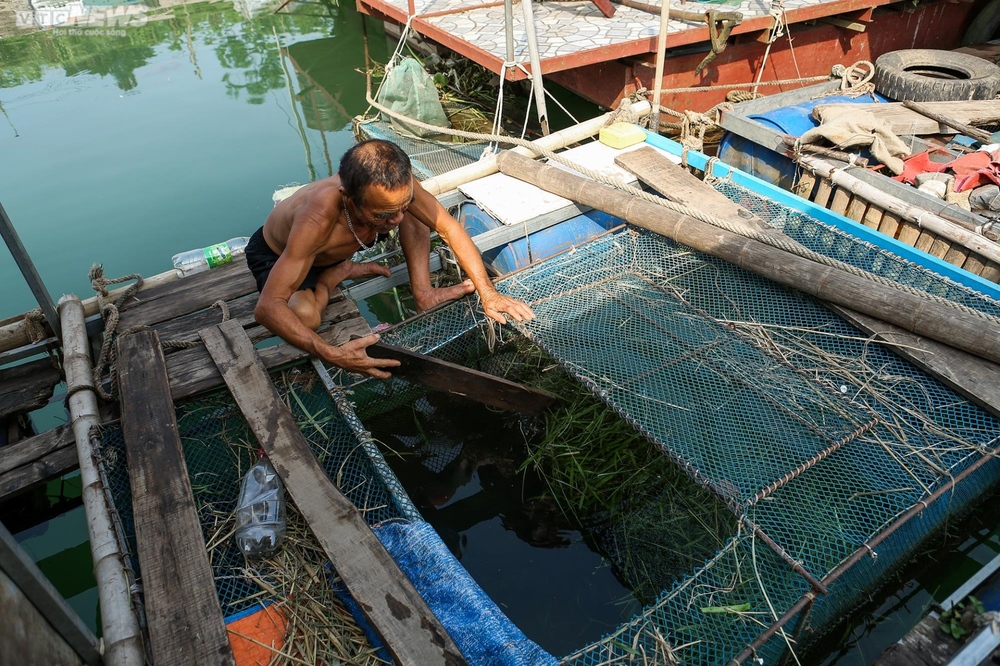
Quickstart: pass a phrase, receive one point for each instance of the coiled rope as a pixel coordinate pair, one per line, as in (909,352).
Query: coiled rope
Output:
(112,314)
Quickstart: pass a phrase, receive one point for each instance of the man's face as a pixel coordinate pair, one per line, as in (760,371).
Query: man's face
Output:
(383,208)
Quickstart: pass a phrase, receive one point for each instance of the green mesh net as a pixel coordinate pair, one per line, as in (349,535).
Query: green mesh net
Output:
(429,158)
(797,423)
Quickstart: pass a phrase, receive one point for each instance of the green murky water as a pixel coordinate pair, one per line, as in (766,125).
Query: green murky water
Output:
(127,143)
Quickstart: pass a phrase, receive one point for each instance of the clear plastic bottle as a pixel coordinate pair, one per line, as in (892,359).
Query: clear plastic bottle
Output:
(260,516)
(199,261)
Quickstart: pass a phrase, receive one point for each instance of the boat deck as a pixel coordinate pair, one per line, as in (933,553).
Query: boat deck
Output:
(575,39)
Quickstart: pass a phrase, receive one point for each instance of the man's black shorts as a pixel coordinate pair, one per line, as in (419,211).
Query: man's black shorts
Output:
(261,258)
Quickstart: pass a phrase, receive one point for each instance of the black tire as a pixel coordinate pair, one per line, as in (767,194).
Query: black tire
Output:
(928,75)
(984,27)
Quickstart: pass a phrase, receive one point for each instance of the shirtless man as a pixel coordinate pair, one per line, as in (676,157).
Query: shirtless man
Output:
(304,251)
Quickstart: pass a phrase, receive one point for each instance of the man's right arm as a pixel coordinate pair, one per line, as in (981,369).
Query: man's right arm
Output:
(272,310)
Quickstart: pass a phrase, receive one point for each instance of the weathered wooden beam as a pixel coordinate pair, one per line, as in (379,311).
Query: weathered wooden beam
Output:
(904,121)
(192,371)
(46,630)
(974,132)
(410,630)
(27,386)
(191,294)
(37,459)
(910,311)
(678,184)
(185,620)
(459,380)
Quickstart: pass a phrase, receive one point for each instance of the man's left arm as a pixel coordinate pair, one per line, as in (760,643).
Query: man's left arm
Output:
(427,209)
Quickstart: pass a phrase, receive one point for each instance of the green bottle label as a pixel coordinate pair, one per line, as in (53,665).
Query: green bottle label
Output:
(216,255)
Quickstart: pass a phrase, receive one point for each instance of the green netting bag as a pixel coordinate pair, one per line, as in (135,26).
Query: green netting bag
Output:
(410,91)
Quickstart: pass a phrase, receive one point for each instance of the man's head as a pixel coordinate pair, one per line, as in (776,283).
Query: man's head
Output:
(374,162)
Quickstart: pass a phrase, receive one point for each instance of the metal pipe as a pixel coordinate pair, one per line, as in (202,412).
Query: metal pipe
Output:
(661,56)
(508,29)
(28,270)
(122,637)
(536,66)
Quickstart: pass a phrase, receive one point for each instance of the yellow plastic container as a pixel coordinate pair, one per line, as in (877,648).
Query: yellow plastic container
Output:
(622,135)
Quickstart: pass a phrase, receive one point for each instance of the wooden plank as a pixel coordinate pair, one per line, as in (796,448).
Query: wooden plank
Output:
(410,630)
(191,370)
(956,254)
(906,121)
(59,623)
(53,465)
(856,209)
(823,192)
(459,380)
(190,294)
(185,621)
(909,232)
(26,637)
(939,248)
(889,224)
(27,386)
(975,379)
(991,272)
(933,645)
(28,450)
(677,184)
(925,240)
(974,264)
(840,200)
(947,120)
(873,217)
(898,654)
(185,328)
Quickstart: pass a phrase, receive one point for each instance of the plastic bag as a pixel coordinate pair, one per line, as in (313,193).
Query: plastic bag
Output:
(410,91)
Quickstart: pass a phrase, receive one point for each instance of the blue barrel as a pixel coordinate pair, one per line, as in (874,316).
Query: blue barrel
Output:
(794,120)
(544,243)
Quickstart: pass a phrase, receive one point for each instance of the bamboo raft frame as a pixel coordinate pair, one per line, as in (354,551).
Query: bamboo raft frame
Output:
(869,213)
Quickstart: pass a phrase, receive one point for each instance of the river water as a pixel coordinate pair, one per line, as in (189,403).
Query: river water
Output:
(168,128)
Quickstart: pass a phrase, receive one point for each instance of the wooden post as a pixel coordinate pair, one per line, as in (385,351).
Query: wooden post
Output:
(661,56)
(122,638)
(185,621)
(28,270)
(67,626)
(914,313)
(411,631)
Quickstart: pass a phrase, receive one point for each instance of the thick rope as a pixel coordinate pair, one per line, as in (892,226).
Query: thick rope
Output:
(774,240)
(110,311)
(855,80)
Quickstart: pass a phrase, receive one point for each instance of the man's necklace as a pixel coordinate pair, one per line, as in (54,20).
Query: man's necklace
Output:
(350,225)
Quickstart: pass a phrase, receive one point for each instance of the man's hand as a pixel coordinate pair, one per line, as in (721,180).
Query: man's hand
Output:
(495,305)
(353,356)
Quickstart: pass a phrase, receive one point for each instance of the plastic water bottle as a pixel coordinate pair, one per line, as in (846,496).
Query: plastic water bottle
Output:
(198,261)
(260,516)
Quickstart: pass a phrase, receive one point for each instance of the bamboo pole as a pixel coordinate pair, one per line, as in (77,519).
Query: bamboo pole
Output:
(556,140)
(924,218)
(122,637)
(961,330)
